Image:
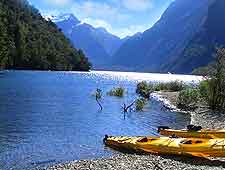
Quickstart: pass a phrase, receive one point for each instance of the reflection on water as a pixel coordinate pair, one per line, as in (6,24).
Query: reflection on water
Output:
(48,117)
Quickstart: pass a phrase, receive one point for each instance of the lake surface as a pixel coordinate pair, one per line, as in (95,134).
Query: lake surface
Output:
(50,117)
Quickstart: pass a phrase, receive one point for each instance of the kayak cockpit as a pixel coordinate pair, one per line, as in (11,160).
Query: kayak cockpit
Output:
(192,141)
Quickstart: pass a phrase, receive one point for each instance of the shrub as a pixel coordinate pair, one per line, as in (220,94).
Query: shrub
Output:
(160,86)
(170,86)
(175,86)
(204,89)
(140,104)
(144,89)
(216,83)
(119,92)
(188,99)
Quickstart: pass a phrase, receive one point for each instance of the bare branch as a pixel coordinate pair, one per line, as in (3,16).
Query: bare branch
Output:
(125,108)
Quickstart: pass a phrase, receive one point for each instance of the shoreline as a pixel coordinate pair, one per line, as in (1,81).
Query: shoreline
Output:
(151,161)
(143,162)
(168,100)
(201,116)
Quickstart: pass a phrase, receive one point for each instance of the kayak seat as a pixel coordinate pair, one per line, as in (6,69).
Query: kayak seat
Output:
(144,139)
(162,128)
(193,128)
(173,136)
(198,141)
(187,142)
(191,142)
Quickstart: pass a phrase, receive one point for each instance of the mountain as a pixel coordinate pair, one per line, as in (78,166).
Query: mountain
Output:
(166,40)
(66,21)
(199,51)
(28,41)
(98,44)
(110,42)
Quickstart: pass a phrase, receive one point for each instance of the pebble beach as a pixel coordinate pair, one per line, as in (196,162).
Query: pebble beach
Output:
(156,162)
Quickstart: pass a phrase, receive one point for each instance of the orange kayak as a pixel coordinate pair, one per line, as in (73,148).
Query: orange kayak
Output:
(200,133)
(165,145)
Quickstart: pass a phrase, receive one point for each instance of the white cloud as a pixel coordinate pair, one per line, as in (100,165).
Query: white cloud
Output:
(104,15)
(98,23)
(59,3)
(49,14)
(121,32)
(129,31)
(137,5)
(90,9)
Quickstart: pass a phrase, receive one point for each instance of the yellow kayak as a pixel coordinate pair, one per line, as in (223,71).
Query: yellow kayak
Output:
(165,145)
(203,133)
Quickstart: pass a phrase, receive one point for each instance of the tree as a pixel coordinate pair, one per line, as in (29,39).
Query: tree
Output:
(28,41)
(216,96)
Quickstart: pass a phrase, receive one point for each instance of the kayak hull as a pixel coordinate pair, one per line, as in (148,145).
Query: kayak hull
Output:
(170,146)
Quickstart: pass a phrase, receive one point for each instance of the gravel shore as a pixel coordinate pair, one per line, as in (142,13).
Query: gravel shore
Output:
(143,162)
(155,162)
(201,117)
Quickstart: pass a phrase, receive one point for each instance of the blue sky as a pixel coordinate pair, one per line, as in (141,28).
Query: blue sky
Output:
(120,17)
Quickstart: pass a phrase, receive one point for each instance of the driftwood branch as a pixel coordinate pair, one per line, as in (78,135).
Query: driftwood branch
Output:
(101,108)
(98,95)
(125,108)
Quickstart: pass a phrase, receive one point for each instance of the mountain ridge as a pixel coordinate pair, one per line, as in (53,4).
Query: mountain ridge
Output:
(199,51)
(165,40)
(97,43)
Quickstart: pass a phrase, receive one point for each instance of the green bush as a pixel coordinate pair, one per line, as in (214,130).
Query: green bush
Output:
(204,89)
(144,89)
(172,86)
(160,86)
(119,92)
(216,96)
(140,104)
(212,90)
(188,99)
(175,86)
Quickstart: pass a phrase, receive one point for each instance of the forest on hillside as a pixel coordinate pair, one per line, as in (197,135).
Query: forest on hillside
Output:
(28,41)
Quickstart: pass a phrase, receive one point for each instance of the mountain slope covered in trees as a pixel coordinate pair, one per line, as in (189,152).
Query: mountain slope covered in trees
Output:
(199,52)
(28,41)
(166,39)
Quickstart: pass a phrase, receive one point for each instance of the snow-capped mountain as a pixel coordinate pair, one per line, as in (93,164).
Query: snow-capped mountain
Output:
(61,17)
(97,43)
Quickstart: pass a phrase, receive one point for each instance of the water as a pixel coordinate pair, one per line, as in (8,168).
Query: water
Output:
(49,117)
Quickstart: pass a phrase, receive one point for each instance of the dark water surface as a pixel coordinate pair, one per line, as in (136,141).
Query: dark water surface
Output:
(49,117)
